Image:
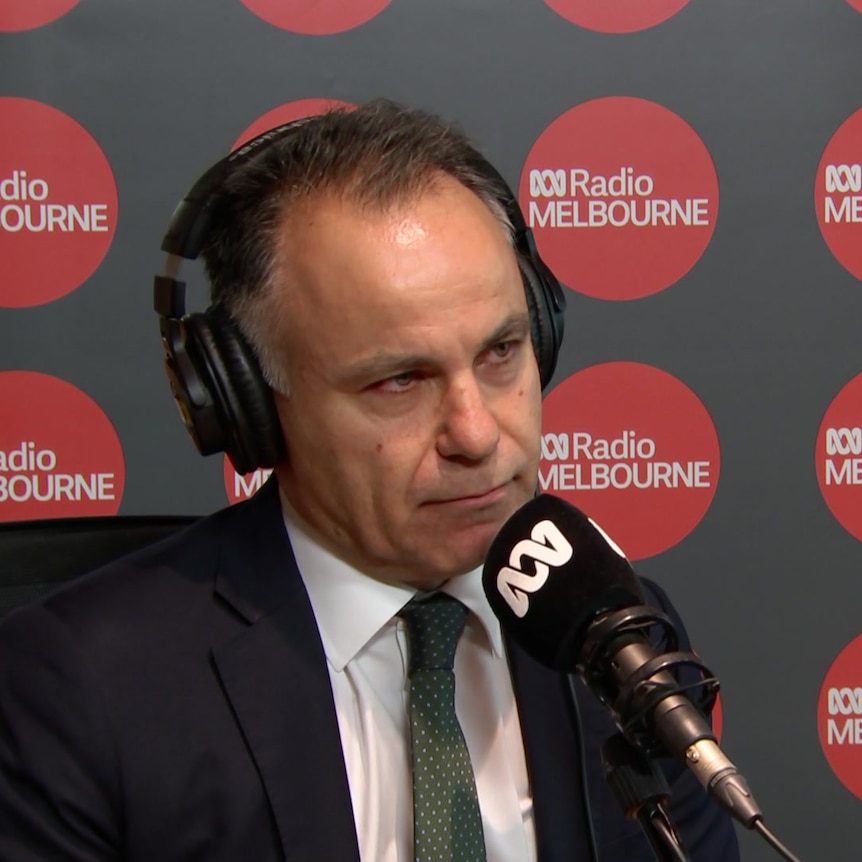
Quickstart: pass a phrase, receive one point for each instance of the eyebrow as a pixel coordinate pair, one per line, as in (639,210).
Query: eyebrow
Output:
(515,326)
(384,365)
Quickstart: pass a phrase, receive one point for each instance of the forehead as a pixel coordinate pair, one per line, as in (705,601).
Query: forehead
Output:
(434,277)
(441,252)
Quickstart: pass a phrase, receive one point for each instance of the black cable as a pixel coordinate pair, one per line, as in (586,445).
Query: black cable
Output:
(773,841)
(585,784)
(671,842)
(642,791)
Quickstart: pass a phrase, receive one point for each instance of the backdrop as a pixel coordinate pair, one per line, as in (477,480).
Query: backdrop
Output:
(691,169)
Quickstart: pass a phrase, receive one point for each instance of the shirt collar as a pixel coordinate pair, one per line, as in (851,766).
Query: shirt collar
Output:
(351,607)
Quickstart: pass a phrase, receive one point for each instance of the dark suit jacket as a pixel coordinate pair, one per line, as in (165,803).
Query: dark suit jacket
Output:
(176,706)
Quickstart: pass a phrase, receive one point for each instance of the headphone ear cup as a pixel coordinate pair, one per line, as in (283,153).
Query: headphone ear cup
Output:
(191,384)
(545,319)
(249,428)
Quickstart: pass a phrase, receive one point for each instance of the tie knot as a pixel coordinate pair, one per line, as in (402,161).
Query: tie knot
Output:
(433,628)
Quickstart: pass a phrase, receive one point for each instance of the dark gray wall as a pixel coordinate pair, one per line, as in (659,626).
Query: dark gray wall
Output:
(763,328)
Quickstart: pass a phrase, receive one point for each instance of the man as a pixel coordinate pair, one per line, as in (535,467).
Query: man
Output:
(240,691)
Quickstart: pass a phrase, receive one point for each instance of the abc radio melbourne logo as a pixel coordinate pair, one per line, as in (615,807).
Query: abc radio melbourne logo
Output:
(634,448)
(239,487)
(316,17)
(838,194)
(838,457)
(58,203)
(839,716)
(28,15)
(616,16)
(59,454)
(622,196)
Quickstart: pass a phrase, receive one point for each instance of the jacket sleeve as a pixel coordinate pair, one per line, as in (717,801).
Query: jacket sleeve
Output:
(58,775)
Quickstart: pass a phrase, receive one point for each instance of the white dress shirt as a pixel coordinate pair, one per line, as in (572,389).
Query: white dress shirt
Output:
(365,647)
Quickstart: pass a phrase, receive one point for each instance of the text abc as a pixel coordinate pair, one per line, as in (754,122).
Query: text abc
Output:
(562,447)
(546,547)
(845,701)
(561,183)
(844,441)
(843,178)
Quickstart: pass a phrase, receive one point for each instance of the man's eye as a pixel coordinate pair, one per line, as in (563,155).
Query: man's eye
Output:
(503,350)
(398,382)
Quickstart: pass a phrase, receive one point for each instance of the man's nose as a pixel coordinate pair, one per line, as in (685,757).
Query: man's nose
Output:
(469,427)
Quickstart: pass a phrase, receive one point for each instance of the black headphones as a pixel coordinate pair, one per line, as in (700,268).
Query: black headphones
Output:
(214,376)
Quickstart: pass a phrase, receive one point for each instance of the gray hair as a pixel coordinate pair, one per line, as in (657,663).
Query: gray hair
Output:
(374,156)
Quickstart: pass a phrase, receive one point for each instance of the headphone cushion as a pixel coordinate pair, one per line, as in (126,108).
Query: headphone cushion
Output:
(541,324)
(245,403)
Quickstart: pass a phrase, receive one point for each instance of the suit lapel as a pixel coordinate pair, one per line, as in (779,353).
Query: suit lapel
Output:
(274,674)
(553,760)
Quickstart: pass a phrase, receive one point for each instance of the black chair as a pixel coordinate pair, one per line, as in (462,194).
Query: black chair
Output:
(38,556)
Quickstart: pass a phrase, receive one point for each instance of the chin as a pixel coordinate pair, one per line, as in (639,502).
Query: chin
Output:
(451,551)
(472,554)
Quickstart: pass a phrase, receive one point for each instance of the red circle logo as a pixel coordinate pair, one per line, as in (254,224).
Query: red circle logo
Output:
(316,17)
(287,113)
(59,453)
(838,457)
(718,718)
(838,194)
(839,716)
(634,448)
(58,204)
(239,487)
(622,196)
(15,15)
(856,4)
(620,16)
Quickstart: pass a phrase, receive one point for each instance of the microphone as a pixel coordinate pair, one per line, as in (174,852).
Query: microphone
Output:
(569,597)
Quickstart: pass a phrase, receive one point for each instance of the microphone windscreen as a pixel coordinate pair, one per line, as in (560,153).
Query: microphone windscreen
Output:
(549,573)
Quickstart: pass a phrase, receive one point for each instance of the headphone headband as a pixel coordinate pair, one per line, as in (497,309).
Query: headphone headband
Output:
(214,375)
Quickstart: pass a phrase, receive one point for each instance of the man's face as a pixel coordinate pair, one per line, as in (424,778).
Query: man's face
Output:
(413,420)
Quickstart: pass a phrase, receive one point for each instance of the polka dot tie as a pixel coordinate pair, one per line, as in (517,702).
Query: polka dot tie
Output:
(447,824)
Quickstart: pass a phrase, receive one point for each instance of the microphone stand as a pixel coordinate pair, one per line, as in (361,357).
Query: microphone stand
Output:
(642,791)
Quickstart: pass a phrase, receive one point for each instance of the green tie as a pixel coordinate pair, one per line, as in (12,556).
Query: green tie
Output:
(447,824)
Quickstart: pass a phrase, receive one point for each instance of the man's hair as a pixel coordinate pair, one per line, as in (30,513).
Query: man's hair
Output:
(374,156)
